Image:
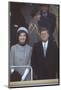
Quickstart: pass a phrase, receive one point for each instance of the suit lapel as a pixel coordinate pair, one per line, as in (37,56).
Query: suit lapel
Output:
(47,52)
(41,49)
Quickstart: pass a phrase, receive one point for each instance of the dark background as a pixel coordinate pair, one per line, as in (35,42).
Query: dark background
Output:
(20,15)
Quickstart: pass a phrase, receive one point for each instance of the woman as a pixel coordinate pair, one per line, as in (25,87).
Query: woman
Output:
(20,54)
(33,27)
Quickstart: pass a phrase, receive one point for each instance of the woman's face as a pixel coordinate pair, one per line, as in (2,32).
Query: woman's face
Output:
(37,17)
(22,38)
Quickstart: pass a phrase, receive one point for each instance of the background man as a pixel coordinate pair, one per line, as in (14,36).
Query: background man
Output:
(47,19)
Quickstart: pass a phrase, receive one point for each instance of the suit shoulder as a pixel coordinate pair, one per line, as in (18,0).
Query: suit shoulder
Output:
(53,43)
(37,44)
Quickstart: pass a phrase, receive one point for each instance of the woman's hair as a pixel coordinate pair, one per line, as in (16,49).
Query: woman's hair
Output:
(34,12)
(27,36)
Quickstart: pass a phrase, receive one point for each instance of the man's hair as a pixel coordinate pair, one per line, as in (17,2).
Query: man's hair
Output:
(41,29)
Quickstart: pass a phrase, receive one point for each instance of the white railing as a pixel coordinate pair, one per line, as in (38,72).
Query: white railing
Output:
(25,66)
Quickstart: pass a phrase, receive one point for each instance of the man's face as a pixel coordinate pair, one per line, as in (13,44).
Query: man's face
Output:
(44,35)
(22,38)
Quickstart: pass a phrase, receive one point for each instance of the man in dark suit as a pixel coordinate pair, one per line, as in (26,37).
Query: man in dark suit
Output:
(45,57)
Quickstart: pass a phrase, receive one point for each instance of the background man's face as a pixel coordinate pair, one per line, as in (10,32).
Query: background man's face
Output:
(44,35)
(44,8)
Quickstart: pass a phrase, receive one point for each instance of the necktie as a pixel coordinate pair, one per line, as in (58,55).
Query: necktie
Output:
(44,49)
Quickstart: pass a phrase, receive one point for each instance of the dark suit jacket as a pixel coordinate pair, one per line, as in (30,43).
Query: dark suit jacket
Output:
(45,67)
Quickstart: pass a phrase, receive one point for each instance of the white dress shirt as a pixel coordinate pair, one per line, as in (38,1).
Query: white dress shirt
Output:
(45,45)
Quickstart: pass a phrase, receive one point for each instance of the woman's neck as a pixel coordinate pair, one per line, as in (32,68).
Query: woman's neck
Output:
(22,44)
(34,21)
